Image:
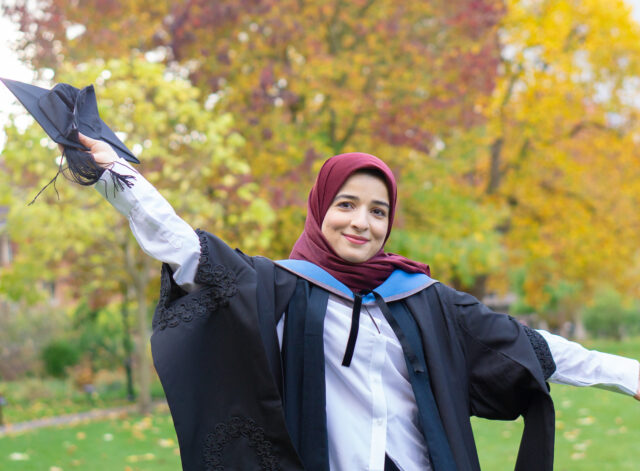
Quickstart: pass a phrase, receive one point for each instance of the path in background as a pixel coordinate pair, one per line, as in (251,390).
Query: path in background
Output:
(75,418)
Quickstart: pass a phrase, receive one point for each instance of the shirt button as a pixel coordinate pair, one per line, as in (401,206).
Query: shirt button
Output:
(379,421)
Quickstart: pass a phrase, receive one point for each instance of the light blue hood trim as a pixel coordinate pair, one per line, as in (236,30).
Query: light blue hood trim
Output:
(399,285)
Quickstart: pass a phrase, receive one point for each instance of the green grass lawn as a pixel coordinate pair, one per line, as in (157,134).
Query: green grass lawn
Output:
(128,443)
(35,398)
(595,430)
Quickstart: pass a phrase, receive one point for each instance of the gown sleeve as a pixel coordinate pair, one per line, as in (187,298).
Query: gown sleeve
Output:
(214,342)
(216,353)
(502,356)
(160,232)
(506,375)
(566,362)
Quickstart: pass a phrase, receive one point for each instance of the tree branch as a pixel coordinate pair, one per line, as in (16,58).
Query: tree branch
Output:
(494,171)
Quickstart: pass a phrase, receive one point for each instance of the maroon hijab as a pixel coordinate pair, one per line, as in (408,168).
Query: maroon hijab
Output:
(312,245)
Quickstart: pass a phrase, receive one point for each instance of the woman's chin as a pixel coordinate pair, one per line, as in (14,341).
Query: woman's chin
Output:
(354,256)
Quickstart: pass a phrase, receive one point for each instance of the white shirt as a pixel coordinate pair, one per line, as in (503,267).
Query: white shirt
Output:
(370,404)
(371,408)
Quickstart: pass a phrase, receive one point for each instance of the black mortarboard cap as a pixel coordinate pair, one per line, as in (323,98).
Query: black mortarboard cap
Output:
(62,112)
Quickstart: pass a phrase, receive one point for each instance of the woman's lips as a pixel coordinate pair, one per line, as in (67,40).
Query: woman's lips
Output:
(356,239)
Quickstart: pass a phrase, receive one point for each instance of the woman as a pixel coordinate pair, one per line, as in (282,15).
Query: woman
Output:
(342,357)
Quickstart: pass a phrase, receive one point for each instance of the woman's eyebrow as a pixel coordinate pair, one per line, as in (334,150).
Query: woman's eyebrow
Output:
(381,203)
(345,196)
(355,198)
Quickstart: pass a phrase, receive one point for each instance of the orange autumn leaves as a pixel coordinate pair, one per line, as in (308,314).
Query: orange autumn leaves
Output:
(567,125)
(512,125)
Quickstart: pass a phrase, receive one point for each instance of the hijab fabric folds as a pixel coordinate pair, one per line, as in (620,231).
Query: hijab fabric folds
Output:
(313,246)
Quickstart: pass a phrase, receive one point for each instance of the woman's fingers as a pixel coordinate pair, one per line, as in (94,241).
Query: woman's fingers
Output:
(86,140)
(102,152)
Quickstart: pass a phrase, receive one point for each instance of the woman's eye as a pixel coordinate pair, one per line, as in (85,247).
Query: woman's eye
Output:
(344,204)
(379,212)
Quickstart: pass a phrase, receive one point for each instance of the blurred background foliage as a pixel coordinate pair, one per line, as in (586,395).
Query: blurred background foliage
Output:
(512,127)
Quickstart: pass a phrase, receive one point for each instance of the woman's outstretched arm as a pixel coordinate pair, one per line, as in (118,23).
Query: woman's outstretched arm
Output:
(160,232)
(577,366)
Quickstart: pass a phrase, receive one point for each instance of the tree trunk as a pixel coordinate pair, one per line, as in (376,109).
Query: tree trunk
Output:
(138,268)
(144,374)
(580,331)
(127,343)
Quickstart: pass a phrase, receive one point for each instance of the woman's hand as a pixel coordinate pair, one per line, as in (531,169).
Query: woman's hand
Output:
(637,396)
(102,152)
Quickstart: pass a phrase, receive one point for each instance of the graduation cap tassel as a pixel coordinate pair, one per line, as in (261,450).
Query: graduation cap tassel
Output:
(120,181)
(53,180)
(84,170)
(82,167)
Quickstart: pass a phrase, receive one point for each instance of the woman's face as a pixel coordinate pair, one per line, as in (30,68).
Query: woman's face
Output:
(356,222)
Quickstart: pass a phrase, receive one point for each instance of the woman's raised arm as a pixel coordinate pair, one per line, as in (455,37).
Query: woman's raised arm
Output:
(160,232)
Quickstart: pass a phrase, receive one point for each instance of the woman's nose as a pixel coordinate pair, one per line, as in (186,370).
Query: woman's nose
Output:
(359,220)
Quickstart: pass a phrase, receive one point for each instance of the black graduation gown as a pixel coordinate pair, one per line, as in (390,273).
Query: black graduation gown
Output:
(217,355)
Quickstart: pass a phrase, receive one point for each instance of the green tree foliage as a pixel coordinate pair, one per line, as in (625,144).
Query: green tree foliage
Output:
(305,80)
(183,146)
(98,334)
(611,315)
(78,241)
(511,124)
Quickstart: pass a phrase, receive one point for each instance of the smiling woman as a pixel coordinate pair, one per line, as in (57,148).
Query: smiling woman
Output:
(357,221)
(353,197)
(270,365)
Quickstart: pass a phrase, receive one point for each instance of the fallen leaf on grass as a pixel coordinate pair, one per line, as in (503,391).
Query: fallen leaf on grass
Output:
(582,446)
(571,435)
(18,457)
(166,442)
(586,420)
(138,458)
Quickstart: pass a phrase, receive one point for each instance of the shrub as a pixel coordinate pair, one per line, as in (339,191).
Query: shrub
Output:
(57,357)
(609,316)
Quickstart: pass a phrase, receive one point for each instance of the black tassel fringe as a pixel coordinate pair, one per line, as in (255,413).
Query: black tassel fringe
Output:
(84,170)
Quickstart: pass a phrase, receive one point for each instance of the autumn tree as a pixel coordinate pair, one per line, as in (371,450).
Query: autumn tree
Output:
(80,242)
(560,149)
(512,124)
(308,79)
